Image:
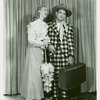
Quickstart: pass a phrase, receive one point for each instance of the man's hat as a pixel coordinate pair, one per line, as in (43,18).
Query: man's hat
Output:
(63,7)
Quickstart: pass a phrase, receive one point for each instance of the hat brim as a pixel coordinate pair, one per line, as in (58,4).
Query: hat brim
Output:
(58,7)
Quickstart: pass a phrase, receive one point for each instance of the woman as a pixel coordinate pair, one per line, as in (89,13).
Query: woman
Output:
(31,83)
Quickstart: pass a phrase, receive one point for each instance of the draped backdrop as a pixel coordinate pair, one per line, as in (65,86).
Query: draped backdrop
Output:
(18,13)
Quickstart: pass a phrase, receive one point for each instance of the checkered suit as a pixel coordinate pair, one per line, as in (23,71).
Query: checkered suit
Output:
(64,49)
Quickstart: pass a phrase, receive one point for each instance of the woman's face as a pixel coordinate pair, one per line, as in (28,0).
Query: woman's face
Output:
(43,12)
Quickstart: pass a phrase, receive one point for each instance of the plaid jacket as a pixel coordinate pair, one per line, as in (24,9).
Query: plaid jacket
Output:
(65,48)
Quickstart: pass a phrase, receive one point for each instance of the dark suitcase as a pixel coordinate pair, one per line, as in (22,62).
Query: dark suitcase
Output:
(72,76)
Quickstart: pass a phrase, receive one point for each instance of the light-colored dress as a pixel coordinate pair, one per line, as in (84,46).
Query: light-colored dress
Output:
(31,82)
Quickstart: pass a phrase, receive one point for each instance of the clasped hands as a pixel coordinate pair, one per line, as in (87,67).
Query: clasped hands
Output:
(46,41)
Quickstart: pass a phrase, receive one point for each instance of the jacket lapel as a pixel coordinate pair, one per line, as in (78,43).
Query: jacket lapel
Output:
(66,31)
(56,31)
(54,26)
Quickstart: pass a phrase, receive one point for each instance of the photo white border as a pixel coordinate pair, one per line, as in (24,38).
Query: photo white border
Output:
(97,47)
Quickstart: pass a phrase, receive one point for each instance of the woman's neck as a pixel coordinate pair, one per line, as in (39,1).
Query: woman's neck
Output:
(41,18)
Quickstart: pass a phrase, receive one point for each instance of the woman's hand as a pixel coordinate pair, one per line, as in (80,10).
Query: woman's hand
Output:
(45,42)
(43,47)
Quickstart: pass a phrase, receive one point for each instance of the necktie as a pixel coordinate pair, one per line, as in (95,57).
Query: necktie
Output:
(61,30)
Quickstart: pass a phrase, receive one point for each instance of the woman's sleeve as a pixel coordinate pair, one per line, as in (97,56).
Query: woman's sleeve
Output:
(32,36)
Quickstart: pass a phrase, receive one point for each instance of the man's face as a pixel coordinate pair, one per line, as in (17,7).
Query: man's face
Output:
(60,15)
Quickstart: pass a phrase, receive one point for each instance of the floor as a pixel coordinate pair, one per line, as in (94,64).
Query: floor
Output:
(16,97)
(86,96)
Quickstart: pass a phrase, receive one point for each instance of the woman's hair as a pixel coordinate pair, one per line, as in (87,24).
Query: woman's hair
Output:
(37,13)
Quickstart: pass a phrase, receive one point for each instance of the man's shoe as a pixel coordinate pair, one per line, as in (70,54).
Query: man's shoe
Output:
(55,98)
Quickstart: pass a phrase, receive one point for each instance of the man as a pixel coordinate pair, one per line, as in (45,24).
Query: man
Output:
(61,46)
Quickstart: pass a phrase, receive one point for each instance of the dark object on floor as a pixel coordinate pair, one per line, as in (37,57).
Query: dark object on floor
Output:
(72,76)
(84,96)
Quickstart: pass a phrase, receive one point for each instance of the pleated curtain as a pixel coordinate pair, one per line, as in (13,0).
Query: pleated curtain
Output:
(18,13)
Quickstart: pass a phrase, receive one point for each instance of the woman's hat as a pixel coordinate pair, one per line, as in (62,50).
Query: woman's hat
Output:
(63,7)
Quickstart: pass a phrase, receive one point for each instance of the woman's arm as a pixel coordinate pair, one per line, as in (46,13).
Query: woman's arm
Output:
(32,37)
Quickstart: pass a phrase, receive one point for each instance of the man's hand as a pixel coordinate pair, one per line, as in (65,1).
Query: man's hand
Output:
(52,49)
(71,60)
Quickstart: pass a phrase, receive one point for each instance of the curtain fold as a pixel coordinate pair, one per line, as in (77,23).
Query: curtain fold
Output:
(87,38)
(18,13)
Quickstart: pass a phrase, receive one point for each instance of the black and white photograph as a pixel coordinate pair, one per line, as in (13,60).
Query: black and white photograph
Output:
(49,50)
